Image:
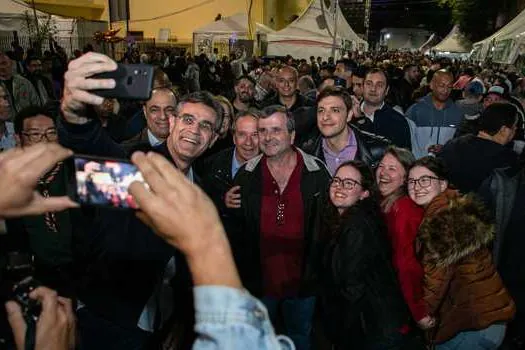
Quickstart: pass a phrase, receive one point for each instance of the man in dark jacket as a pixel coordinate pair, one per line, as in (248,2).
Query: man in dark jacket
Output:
(339,141)
(55,240)
(43,86)
(157,111)
(470,159)
(379,118)
(133,268)
(219,170)
(288,93)
(405,87)
(279,249)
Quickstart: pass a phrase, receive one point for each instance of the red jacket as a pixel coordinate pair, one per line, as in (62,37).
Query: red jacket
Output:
(403,222)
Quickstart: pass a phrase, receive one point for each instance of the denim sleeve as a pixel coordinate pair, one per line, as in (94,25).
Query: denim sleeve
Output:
(229,318)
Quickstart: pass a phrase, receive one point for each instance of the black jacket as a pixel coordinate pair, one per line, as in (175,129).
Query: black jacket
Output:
(387,123)
(504,194)
(401,93)
(361,300)
(216,174)
(314,186)
(127,258)
(471,159)
(370,147)
(300,102)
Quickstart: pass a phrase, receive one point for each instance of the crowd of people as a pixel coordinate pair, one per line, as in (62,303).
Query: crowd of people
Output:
(371,202)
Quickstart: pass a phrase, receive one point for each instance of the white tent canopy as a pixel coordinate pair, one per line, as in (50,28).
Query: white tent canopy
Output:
(312,33)
(228,28)
(506,43)
(236,24)
(12,16)
(454,42)
(432,40)
(13,19)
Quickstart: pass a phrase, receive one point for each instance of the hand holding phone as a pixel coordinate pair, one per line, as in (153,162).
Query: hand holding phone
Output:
(79,85)
(104,182)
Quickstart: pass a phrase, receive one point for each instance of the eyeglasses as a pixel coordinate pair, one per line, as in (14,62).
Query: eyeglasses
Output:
(204,126)
(347,184)
(49,134)
(423,182)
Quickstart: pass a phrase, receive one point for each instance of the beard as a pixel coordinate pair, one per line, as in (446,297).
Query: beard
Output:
(245,98)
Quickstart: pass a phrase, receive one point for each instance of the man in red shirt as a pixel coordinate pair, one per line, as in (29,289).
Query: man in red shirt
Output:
(282,193)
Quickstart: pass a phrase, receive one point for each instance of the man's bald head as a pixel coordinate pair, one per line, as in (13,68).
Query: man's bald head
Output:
(286,81)
(441,85)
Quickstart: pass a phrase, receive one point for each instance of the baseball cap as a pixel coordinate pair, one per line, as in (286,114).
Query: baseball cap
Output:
(474,88)
(496,90)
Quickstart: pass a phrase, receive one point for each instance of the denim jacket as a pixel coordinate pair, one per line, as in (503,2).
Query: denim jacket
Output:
(229,318)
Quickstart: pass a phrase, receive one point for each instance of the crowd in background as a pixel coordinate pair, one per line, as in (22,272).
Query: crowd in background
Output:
(376,201)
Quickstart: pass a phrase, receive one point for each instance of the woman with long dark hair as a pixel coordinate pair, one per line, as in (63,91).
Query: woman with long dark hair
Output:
(361,302)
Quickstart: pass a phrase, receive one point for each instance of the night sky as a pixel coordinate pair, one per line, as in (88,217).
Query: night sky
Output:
(426,14)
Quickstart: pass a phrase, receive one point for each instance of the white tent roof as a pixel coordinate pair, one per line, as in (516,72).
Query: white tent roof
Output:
(514,28)
(429,43)
(455,41)
(313,28)
(237,23)
(11,13)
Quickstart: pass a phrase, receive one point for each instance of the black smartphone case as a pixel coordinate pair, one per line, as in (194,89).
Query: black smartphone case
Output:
(133,82)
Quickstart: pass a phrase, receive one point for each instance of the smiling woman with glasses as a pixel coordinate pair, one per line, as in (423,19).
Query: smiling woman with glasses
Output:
(462,288)
(362,305)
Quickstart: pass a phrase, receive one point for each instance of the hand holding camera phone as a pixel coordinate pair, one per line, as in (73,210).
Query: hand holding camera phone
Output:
(104,182)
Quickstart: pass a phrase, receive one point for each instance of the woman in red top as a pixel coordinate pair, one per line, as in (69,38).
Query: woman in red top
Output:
(403,218)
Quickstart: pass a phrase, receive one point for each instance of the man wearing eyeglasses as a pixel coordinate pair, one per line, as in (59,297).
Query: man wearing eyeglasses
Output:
(52,239)
(281,197)
(133,288)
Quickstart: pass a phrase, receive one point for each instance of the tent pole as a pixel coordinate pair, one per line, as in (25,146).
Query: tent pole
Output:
(334,43)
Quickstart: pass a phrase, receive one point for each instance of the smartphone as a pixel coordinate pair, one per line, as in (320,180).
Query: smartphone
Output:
(104,182)
(133,82)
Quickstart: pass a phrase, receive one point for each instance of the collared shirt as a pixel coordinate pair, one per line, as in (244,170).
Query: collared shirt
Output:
(8,141)
(162,296)
(153,141)
(333,160)
(282,233)
(223,315)
(370,116)
(236,165)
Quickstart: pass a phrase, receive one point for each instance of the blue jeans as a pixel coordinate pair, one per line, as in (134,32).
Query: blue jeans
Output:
(489,338)
(297,315)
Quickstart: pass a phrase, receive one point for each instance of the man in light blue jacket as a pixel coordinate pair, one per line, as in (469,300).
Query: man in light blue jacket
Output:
(433,120)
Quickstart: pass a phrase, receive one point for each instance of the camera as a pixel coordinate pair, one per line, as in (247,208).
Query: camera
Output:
(30,308)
